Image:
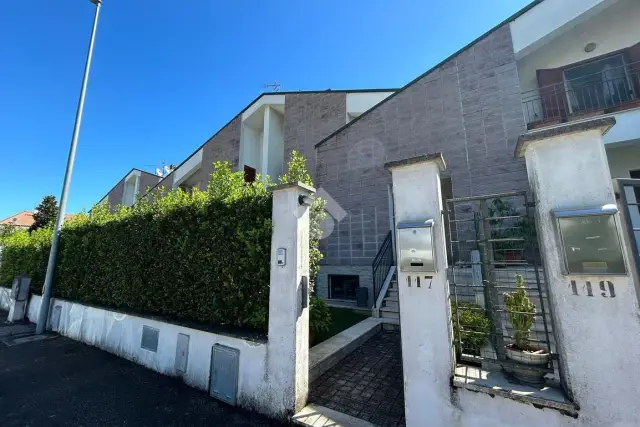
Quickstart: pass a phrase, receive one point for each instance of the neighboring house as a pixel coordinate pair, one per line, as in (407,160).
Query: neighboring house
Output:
(127,190)
(552,62)
(22,219)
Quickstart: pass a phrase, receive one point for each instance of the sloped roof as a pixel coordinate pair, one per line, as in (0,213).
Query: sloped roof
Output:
(24,219)
(21,219)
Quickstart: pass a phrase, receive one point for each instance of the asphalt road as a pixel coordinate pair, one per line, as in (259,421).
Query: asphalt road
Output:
(60,382)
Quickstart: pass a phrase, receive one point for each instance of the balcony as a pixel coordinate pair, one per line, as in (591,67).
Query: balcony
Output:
(580,93)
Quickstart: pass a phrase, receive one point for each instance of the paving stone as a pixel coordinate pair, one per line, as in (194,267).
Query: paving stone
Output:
(367,384)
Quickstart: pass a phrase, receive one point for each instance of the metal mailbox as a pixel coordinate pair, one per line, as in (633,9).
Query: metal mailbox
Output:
(415,243)
(589,241)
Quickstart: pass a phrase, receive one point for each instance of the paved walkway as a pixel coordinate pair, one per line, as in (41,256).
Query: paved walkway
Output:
(367,384)
(60,382)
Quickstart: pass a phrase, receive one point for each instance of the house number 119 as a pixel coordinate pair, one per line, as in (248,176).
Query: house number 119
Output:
(606,289)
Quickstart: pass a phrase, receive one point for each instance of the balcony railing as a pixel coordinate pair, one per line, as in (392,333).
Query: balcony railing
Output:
(591,95)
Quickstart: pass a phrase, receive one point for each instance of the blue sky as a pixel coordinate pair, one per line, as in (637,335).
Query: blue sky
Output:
(167,74)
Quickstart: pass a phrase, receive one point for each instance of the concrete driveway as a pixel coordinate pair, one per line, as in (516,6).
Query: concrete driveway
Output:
(60,382)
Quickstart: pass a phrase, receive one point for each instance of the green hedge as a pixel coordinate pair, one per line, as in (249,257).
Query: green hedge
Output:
(202,256)
(25,253)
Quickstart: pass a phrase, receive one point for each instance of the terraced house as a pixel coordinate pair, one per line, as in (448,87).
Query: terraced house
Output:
(555,61)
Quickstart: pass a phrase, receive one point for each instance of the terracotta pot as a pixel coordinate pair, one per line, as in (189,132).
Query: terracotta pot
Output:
(524,359)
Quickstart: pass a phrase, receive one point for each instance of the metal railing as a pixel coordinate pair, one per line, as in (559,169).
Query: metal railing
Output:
(381,264)
(591,94)
(630,201)
(499,303)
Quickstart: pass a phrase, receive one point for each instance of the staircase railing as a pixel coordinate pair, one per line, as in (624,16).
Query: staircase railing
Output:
(381,264)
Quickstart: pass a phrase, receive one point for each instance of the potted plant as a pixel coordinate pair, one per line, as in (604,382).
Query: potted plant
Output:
(522,314)
(470,328)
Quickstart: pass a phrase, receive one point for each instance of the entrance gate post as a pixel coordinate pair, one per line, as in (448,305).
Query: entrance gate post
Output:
(427,356)
(596,315)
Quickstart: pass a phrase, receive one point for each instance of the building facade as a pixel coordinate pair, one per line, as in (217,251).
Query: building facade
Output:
(553,62)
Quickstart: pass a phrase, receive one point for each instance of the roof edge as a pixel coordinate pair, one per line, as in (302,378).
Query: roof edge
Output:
(435,67)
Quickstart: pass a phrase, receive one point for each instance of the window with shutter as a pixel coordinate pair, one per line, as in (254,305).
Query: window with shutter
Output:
(552,93)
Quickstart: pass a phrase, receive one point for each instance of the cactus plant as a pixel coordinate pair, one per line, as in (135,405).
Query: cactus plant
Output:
(521,312)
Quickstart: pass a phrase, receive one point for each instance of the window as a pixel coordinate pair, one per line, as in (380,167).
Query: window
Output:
(599,84)
(249,174)
(343,286)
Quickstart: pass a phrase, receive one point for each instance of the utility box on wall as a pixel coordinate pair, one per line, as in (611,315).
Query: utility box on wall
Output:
(415,244)
(589,241)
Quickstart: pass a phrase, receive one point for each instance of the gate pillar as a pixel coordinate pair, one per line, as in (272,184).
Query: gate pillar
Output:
(593,299)
(427,356)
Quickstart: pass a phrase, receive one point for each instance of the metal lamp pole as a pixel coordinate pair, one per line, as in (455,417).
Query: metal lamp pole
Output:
(48,281)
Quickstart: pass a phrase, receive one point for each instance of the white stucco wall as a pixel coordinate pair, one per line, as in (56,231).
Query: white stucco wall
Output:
(359,102)
(288,357)
(424,311)
(627,127)
(187,169)
(250,148)
(549,19)
(4,298)
(273,154)
(121,334)
(263,101)
(613,28)
(571,171)
(623,158)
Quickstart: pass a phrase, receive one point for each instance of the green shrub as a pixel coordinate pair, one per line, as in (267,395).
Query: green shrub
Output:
(471,327)
(297,172)
(319,317)
(521,312)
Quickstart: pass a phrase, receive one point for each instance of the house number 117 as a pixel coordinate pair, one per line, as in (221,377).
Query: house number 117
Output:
(606,289)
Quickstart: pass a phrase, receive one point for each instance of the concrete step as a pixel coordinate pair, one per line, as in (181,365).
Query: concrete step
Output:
(389,313)
(391,298)
(392,293)
(392,304)
(320,416)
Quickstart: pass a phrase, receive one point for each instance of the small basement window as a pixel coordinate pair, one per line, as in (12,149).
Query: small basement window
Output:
(342,286)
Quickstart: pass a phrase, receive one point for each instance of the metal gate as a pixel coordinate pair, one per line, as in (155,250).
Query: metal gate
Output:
(630,201)
(493,254)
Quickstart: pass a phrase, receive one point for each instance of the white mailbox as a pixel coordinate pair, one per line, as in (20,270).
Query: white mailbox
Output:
(415,242)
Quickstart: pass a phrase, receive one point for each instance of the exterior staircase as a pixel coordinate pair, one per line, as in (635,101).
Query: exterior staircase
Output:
(390,308)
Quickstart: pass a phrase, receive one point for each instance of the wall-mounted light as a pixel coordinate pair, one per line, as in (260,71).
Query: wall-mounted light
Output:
(590,47)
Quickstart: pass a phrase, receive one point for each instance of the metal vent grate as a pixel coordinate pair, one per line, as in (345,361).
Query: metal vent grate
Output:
(149,339)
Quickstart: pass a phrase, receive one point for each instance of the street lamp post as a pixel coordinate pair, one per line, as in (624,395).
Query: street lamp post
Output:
(43,315)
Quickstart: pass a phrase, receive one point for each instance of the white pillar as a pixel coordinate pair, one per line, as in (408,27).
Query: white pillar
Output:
(424,311)
(598,336)
(288,346)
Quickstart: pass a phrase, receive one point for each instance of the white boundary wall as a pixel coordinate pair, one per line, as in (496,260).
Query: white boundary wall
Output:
(273,376)
(121,335)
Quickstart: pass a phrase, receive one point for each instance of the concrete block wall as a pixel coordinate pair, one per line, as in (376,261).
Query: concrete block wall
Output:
(469,109)
(310,117)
